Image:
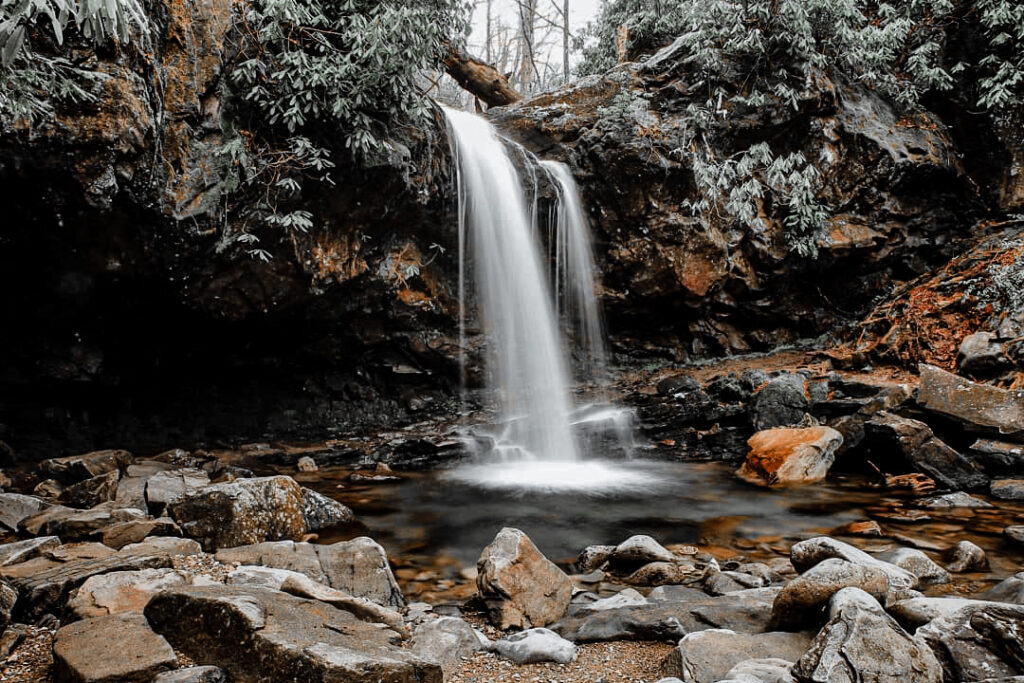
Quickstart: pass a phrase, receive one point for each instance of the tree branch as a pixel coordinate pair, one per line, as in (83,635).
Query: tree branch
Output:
(480,79)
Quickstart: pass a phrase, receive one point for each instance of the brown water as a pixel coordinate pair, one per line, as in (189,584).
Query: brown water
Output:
(434,526)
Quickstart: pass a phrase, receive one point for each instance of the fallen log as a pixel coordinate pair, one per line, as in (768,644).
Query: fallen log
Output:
(480,79)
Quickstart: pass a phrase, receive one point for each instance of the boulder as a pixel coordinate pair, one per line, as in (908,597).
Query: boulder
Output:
(916,612)
(193,674)
(967,557)
(93,491)
(23,551)
(978,642)
(669,613)
(806,554)
(769,670)
(164,545)
(168,486)
(790,457)
(45,584)
(519,586)
(923,451)
(801,601)
(782,402)
(953,501)
(918,564)
(120,648)
(669,574)
(120,534)
(1008,590)
(708,656)
(321,512)
(298,557)
(360,567)
(861,642)
(292,639)
(980,407)
(242,512)
(75,468)
(1008,489)
(998,457)
(1015,533)
(536,645)
(15,507)
(73,525)
(640,549)
(446,640)
(306,464)
(981,354)
(125,591)
(593,557)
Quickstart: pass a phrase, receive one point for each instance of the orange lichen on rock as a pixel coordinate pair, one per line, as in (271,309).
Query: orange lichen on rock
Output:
(790,456)
(927,319)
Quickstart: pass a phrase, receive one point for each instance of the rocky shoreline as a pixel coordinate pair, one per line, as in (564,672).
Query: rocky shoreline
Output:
(207,572)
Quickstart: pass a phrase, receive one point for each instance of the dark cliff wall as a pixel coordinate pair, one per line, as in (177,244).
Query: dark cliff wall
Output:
(133,315)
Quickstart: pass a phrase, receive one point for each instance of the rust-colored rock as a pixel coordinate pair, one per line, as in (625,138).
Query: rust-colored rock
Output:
(790,456)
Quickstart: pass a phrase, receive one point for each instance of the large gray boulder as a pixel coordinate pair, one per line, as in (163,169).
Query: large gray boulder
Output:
(248,511)
(114,649)
(669,613)
(359,567)
(291,639)
(801,601)
(519,586)
(806,554)
(979,641)
(708,656)
(861,642)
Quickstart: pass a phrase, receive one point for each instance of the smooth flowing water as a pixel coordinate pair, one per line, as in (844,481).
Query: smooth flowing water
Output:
(539,438)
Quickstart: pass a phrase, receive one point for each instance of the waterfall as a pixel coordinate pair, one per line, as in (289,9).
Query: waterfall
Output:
(526,359)
(539,436)
(574,275)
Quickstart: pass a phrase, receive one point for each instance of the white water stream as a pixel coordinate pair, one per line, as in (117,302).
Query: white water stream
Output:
(540,439)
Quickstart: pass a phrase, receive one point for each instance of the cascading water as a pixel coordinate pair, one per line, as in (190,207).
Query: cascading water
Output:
(539,435)
(527,364)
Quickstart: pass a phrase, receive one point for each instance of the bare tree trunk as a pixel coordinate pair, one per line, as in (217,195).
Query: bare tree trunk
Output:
(480,78)
(565,40)
(487,46)
(527,16)
(622,43)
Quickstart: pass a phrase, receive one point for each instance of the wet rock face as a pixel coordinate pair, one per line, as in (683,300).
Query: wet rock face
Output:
(712,288)
(790,457)
(122,270)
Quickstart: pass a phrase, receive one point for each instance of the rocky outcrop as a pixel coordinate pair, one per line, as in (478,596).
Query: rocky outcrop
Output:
(293,639)
(701,286)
